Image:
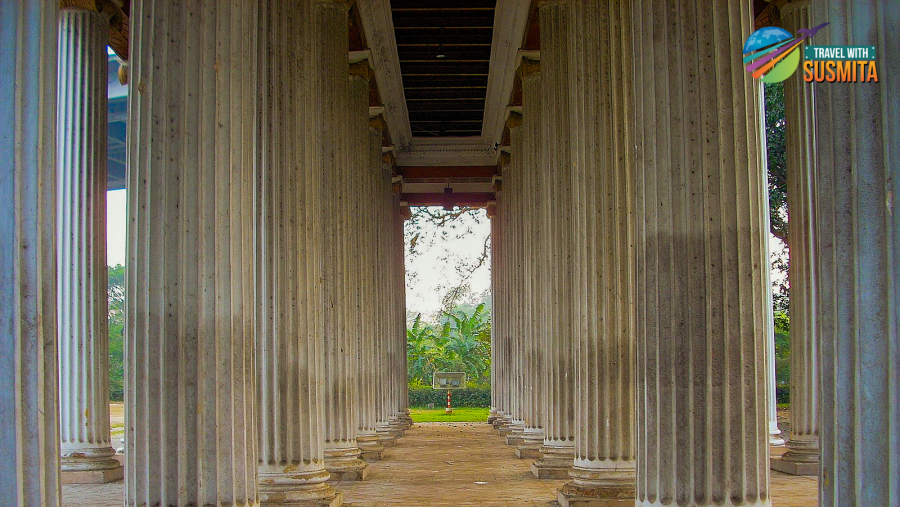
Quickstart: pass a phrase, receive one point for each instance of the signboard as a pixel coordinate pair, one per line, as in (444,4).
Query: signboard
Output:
(448,380)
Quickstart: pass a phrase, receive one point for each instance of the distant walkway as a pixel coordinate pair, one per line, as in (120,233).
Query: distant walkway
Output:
(450,464)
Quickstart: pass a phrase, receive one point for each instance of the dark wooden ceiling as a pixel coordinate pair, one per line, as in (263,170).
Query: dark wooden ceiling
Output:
(445,96)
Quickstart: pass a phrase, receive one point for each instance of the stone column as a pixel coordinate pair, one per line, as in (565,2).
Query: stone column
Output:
(802,457)
(515,272)
(86,450)
(289,256)
(341,325)
(498,349)
(491,211)
(701,431)
(190,435)
(601,81)
(366,435)
(388,207)
(533,247)
(29,442)
(502,300)
(403,417)
(857,187)
(559,431)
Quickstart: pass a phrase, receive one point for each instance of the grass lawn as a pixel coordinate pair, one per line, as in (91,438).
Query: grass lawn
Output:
(419,414)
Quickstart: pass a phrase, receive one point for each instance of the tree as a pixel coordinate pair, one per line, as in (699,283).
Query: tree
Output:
(777,183)
(461,342)
(116,294)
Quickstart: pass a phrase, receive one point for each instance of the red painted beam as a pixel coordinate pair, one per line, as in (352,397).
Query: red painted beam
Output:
(474,200)
(410,173)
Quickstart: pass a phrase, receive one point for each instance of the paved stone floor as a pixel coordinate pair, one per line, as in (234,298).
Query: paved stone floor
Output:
(451,464)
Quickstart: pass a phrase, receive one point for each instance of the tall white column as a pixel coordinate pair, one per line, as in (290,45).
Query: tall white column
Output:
(857,187)
(29,442)
(404,421)
(86,450)
(559,431)
(386,210)
(500,280)
(514,277)
(190,435)
(701,251)
(802,457)
(601,79)
(532,211)
(341,323)
(366,436)
(289,256)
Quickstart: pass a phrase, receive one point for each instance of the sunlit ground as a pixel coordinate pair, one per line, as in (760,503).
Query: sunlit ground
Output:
(458,415)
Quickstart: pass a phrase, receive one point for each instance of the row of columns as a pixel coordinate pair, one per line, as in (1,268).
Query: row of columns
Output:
(651,197)
(256,322)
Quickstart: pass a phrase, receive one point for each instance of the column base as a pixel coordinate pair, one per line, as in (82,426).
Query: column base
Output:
(387,440)
(793,468)
(801,458)
(343,464)
(599,484)
(369,447)
(555,462)
(92,476)
(531,444)
(528,451)
(517,433)
(297,485)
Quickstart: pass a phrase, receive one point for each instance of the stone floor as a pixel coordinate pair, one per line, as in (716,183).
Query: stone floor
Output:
(451,464)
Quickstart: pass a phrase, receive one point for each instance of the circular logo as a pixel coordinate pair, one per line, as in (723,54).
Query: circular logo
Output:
(771,53)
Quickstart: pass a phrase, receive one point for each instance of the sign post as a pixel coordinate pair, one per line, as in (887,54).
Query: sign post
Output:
(448,380)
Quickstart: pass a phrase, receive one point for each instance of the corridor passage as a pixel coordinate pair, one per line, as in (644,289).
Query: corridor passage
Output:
(451,464)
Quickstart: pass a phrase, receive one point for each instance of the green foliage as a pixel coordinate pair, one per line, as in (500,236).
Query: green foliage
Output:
(116,291)
(461,342)
(782,357)
(458,415)
(776,157)
(420,396)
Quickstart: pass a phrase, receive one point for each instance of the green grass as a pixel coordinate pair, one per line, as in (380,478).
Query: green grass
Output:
(458,415)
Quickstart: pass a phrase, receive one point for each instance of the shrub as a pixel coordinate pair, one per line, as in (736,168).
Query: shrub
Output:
(469,397)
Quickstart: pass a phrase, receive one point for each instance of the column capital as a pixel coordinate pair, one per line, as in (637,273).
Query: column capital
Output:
(528,68)
(377,122)
(514,120)
(361,69)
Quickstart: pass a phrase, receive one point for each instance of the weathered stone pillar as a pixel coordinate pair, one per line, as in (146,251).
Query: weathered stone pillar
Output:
(86,450)
(601,86)
(341,317)
(389,208)
(514,275)
(493,414)
(400,412)
(366,435)
(701,242)
(190,435)
(499,394)
(857,187)
(289,256)
(501,299)
(802,457)
(559,431)
(532,211)
(29,415)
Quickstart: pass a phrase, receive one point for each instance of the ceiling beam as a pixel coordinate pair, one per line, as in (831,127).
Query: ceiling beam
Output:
(472,200)
(510,19)
(378,25)
(453,173)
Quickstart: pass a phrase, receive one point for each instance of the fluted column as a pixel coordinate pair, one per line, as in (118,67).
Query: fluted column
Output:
(501,299)
(29,416)
(533,246)
(386,294)
(499,406)
(515,275)
(857,187)
(289,256)
(702,435)
(366,435)
(190,435)
(339,140)
(86,450)
(601,80)
(403,418)
(559,430)
(493,415)
(802,457)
